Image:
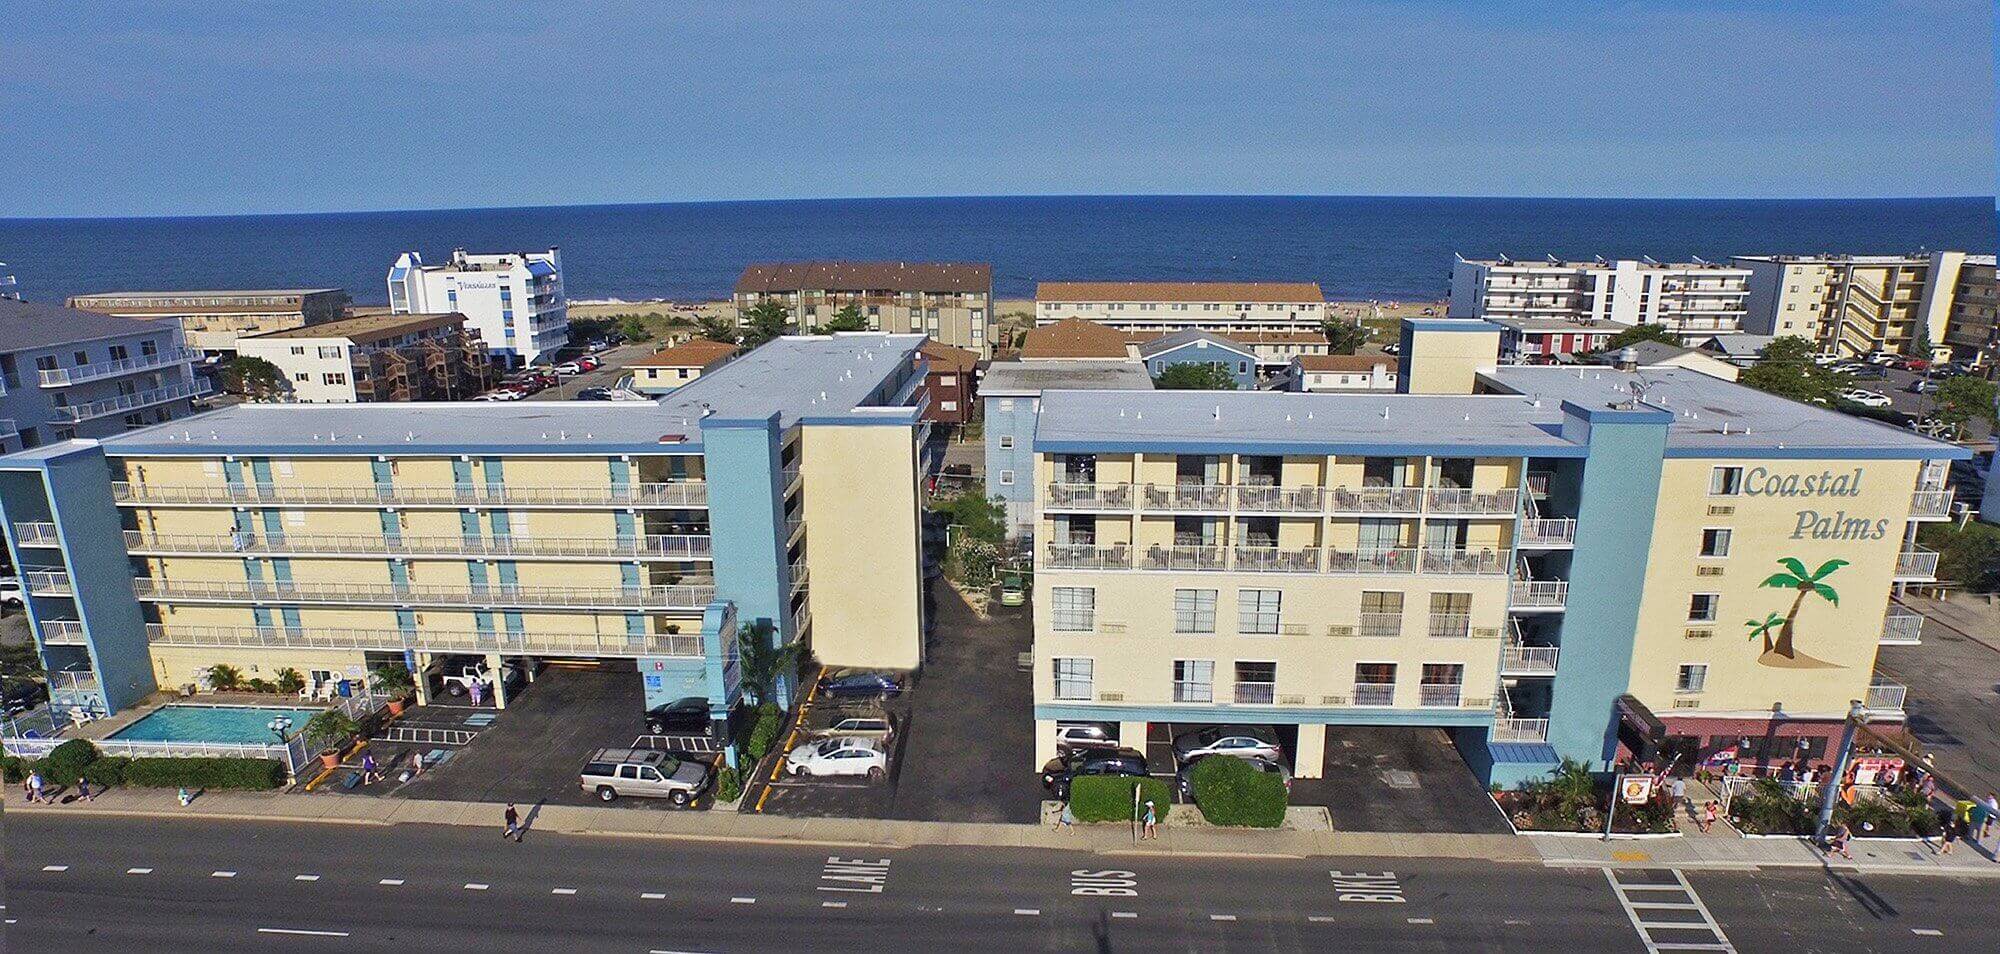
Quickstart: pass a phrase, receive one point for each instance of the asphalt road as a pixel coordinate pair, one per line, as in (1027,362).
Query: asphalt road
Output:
(188,885)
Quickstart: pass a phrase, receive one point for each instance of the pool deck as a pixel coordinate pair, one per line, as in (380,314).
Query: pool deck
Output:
(105,728)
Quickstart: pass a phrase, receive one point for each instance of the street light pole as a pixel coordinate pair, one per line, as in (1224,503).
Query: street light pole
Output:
(1857,716)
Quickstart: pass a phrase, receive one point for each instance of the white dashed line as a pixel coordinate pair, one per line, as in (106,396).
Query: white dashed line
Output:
(55,867)
(305,877)
(305,933)
(476,886)
(1420,921)
(1124,914)
(391,882)
(1320,919)
(222,874)
(1927,932)
(742,900)
(1029,912)
(562,890)
(139,871)
(1222,917)
(652,896)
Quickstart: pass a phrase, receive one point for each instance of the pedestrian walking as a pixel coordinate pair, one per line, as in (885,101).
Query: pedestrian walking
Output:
(1152,829)
(187,797)
(1992,805)
(1066,817)
(1708,813)
(513,829)
(1947,830)
(83,791)
(35,786)
(370,773)
(1681,796)
(1836,841)
(475,689)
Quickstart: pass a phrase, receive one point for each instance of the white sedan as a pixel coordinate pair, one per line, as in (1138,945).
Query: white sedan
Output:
(840,756)
(1865,398)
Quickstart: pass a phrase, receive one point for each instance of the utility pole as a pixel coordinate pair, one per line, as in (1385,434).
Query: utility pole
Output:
(1857,716)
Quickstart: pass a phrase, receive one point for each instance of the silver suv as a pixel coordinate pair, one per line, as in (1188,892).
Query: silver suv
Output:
(644,773)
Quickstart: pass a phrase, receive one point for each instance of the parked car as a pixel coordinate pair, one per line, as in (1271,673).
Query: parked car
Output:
(588,363)
(860,684)
(503,394)
(1237,740)
(644,773)
(594,394)
(1087,736)
(1184,779)
(10,592)
(1864,398)
(458,677)
(1922,386)
(1063,769)
(1871,372)
(840,756)
(877,727)
(568,369)
(686,716)
(1013,588)
(1882,357)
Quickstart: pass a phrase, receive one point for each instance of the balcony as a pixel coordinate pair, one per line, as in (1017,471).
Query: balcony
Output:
(1931,505)
(1084,556)
(1376,500)
(1370,561)
(1256,693)
(1547,533)
(7,426)
(1521,660)
(1440,697)
(1174,498)
(1184,558)
(799,576)
(48,583)
(1089,497)
(79,413)
(1449,562)
(1450,626)
(1374,694)
(1902,627)
(64,377)
(1277,560)
(650,546)
(62,632)
(1380,625)
(1885,699)
(1279,499)
(427,640)
(683,597)
(36,534)
(1917,565)
(1520,730)
(1458,500)
(1538,594)
(680,494)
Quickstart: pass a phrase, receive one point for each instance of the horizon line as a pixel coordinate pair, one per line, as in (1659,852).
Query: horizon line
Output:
(1025,195)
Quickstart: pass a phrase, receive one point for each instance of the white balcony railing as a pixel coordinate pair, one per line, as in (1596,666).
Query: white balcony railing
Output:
(62,632)
(1517,660)
(1180,497)
(1538,594)
(1902,627)
(1380,625)
(78,413)
(429,640)
(1184,558)
(1444,697)
(1548,532)
(48,583)
(63,377)
(1931,504)
(1084,556)
(1277,560)
(1917,565)
(1456,500)
(1279,499)
(689,494)
(686,596)
(1256,693)
(1885,697)
(35,533)
(1463,562)
(1520,730)
(1449,625)
(1374,694)
(657,546)
(1376,500)
(1090,496)
(1371,560)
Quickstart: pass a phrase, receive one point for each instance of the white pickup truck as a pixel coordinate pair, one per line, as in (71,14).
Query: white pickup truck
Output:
(457,679)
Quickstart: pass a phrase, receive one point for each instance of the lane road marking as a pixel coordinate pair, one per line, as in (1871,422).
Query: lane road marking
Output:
(476,886)
(651,896)
(742,900)
(55,867)
(1927,932)
(138,871)
(562,890)
(1028,912)
(305,878)
(391,882)
(302,932)
(222,874)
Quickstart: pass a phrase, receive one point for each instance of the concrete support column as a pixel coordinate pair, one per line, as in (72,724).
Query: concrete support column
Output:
(422,680)
(1311,757)
(1132,735)
(528,666)
(497,666)
(719,729)
(1045,742)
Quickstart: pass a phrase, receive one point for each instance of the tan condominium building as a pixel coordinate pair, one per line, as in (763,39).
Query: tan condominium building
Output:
(1694,299)
(377,357)
(949,301)
(1853,304)
(211,321)
(1970,329)
(1218,307)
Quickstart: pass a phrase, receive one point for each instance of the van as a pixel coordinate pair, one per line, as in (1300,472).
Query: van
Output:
(644,773)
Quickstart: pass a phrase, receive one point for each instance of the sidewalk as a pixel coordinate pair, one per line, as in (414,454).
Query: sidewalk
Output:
(730,826)
(1871,856)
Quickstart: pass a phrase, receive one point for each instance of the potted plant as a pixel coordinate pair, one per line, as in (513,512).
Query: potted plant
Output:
(395,682)
(327,732)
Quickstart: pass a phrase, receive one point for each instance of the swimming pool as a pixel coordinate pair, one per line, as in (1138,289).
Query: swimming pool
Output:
(197,723)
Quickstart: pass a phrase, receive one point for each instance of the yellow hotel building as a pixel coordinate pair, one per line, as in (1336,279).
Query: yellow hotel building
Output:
(334,538)
(1548,562)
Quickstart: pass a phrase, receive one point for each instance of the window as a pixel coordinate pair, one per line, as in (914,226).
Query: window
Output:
(1073,677)
(1451,615)
(1701,607)
(1381,613)
(1692,677)
(1007,404)
(1725,482)
(1257,682)
(947,380)
(1715,543)
(1194,611)
(1006,440)
(1442,684)
(334,377)
(149,348)
(1257,612)
(301,376)
(1194,680)
(299,350)
(1006,478)
(1073,608)
(1242,367)
(82,358)
(948,405)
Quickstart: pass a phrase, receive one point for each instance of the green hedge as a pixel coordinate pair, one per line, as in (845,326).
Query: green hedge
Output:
(205,773)
(107,771)
(13,768)
(1230,791)
(65,763)
(1104,798)
(764,734)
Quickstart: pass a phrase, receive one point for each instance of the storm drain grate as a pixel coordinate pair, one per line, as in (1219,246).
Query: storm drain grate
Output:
(1398,778)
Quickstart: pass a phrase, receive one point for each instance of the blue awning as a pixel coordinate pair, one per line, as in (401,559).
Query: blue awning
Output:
(540,269)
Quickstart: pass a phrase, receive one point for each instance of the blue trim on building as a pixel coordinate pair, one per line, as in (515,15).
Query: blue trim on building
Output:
(1086,712)
(1646,414)
(746,514)
(1940,452)
(1224,445)
(1451,324)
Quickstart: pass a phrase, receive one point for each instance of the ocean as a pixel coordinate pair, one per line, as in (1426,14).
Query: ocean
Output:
(1391,248)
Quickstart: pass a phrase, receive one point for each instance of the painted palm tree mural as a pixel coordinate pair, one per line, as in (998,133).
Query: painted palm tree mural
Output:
(1782,652)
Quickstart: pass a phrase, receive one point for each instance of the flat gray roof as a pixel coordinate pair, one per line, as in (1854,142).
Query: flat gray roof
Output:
(29,325)
(1026,378)
(821,378)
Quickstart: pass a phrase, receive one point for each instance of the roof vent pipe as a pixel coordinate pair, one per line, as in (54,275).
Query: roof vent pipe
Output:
(1627,360)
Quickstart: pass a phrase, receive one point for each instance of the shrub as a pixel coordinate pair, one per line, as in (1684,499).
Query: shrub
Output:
(226,773)
(1766,808)
(223,677)
(13,769)
(290,681)
(329,729)
(259,684)
(728,785)
(393,681)
(765,732)
(1105,798)
(1230,791)
(65,764)
(108,771)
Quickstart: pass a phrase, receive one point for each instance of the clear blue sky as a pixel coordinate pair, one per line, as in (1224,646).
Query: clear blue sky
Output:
(203,107)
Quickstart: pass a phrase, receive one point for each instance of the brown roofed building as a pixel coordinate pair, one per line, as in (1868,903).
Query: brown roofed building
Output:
(211,321)
(950,301)
(1226,308)
(1076,338)
(668,369)
(377,357)
(952,378)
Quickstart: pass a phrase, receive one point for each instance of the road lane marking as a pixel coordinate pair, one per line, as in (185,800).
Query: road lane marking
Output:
(476,886)
(651,896)
(55,867)
(742,900)
(1320,919)
(1420,920)
(1124,914)
(1222,917)
(833,904)
(302,932)
(138,871)
(391,882)
(222,874)
(305,878)
(1029,912)
(1926,932)
(562,890)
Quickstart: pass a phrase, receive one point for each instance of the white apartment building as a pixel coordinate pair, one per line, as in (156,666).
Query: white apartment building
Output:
(514,300)
(1694,299)
(1223,308)
(1853,304)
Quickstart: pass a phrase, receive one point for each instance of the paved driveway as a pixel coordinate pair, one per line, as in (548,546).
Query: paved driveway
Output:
(1399,779)
(1954,680)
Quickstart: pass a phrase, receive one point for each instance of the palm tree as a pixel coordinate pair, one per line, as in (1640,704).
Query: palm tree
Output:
(1805,583)
(1764,627)
(761,660)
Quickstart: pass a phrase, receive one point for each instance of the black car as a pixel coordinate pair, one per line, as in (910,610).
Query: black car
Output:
(687,716)
(860,684)
(594,394)
(1057,774)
